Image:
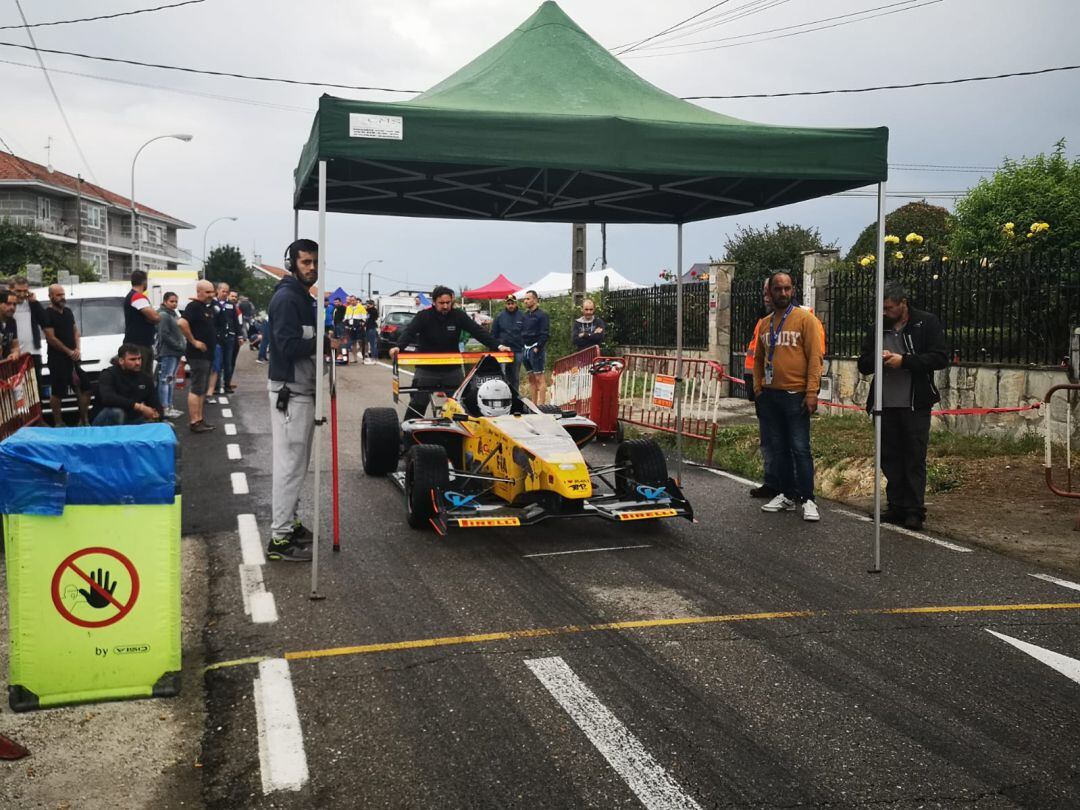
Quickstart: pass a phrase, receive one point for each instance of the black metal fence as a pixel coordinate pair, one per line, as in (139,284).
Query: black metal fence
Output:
(1017,310)
(747,308)
(646,316)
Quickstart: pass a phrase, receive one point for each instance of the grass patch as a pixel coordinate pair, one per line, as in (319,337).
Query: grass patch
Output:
(945,443)
(942,477)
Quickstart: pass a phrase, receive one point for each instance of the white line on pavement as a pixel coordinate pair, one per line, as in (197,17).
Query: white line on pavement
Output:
(223,400)
(234,451)
(653,786)
(239,483)
(259,603)
(250,543)
(726,474)
(1069,667)
(230,429)
(1064,583)
(909,532)
(585,550)
(282,759)
(226,413)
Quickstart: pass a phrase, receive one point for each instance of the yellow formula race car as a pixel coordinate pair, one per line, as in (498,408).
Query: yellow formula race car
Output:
(488,457)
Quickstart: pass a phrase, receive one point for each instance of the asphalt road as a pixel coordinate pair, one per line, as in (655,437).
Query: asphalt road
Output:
(744,660)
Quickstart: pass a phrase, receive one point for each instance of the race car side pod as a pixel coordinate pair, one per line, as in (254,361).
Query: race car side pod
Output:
(334,455)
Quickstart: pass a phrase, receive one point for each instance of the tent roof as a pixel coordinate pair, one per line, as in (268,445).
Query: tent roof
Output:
(548,126)
(499,287)
(560,283)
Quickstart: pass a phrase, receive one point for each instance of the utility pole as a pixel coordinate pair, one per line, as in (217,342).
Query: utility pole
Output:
(78,218)
(603,248)
(577,263)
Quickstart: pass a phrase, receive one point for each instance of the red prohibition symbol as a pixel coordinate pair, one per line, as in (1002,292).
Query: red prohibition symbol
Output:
(122,609)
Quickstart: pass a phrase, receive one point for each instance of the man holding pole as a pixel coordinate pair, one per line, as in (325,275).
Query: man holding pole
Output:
(787,376)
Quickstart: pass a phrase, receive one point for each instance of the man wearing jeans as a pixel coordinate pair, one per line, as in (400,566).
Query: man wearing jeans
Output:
(787,375)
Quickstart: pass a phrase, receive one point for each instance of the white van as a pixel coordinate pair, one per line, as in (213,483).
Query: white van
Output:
(99,313)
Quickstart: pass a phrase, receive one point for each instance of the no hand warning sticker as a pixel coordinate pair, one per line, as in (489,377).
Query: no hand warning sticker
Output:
(98,582)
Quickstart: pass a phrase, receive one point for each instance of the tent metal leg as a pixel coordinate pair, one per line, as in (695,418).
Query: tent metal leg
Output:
(316,525)
(879,338)
(295,224)
(679,356)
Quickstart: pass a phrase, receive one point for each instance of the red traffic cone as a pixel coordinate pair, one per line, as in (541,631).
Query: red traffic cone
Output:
(9,749)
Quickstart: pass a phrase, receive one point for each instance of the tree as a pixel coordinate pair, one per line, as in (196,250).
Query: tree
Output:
(226,263)
(20,246)
(761,251)
(1044,189)
(259,289)
(932,222)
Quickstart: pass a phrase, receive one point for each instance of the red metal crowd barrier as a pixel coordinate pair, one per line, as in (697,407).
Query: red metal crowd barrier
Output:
(571,382)
(20,404)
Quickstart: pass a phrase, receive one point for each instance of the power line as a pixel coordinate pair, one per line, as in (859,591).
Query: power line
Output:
(207,72)
(661,46)
(890,86)
(717,20)
(104,16)
(791,34)
(56,97)
(674,27)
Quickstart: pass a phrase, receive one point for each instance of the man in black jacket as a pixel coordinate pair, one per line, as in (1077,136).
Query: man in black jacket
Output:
(127,394)
(914,348)
(438,329)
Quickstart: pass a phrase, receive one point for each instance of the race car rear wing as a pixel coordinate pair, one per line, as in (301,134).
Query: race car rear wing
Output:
(439,359)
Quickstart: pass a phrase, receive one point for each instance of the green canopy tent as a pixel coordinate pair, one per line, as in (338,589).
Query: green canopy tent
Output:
(548,126)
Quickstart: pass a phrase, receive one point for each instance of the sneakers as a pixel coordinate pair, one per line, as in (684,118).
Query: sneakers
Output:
(301,534)
(172,413)
(763,492)
(260,362)
(211,400)
(231,389)
(780,504)
(200,427)
(283,549)
(810,511)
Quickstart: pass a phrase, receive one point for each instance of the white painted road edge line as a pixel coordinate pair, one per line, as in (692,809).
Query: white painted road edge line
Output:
(387,365)
(223,400)
(725,474)
(282,759)
(234,451)
(585,550)
(259,603)
(230,429)
(239,483)
(1064,583)
(250,542)
(653,786)
(909,532)
(1069,667)
(226,413)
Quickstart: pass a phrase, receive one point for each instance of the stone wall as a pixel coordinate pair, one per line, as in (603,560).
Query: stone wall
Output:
(978,387)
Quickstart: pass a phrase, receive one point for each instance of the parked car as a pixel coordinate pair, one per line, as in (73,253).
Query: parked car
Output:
(390,326)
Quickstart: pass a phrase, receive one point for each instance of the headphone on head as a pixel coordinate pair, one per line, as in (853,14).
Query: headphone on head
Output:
(290,254)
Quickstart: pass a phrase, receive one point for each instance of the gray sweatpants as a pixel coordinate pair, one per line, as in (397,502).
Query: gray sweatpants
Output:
(293,433)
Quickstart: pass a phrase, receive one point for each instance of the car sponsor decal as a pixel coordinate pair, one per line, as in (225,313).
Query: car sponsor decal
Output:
(645,514)
(473,523)
(651,493)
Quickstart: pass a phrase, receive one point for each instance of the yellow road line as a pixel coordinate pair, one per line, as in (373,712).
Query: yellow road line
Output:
(642,624)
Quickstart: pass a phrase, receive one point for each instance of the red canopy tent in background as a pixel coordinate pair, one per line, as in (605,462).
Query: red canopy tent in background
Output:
(500,287)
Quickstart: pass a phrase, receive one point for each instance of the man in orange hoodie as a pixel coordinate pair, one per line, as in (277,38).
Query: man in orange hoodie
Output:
(787,376)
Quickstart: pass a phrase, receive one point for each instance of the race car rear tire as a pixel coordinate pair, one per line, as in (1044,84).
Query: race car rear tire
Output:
(554,410)
(426,469)
(645,464)
(380,441)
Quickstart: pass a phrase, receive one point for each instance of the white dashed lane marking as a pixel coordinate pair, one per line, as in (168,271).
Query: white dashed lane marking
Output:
(230,429)
(239,483)
(282,759)
(584,551)
(234,451)
(653,785)
(258,602)
(226,413)
(223,400)
(250,543)
(1064,583)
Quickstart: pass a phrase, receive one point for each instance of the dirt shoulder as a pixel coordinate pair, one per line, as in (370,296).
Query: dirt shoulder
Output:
(128,754)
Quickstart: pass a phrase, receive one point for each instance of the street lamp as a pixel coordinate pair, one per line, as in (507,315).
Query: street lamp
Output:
(233,219)
(362,269)
(134,216)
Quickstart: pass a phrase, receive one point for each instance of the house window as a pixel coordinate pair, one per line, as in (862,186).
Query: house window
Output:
(44,208)
(97,261)
(152,234)
(91,216)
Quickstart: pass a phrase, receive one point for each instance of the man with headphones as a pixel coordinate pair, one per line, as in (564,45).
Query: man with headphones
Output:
(293,337)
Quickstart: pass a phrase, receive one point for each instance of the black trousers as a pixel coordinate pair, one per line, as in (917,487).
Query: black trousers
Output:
(905,434)
(448,378)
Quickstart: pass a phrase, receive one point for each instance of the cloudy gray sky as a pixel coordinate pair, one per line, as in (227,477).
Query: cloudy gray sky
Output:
(248,135)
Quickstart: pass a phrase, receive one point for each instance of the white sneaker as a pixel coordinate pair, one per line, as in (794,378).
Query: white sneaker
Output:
(172,413)
(779,504)
(810,512)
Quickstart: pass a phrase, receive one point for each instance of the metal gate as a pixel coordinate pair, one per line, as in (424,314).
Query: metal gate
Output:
(747,308)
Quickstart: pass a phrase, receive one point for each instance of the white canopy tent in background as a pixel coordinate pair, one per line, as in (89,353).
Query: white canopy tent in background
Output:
(560,283)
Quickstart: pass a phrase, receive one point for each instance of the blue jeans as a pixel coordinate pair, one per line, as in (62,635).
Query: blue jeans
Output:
(373,343)
(264,340)
(768,462)
(223,363)
(785,426)
(108,417)
(166,371)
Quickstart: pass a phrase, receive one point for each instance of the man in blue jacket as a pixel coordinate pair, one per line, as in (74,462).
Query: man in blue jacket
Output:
(535,329)
(292,376)
(507,329)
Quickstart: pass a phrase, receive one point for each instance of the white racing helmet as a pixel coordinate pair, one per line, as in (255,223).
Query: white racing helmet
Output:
(494,398)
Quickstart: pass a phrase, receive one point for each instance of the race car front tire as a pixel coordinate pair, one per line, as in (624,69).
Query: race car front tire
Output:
(554,410)
(645,464)
(380,441)
(426,471)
